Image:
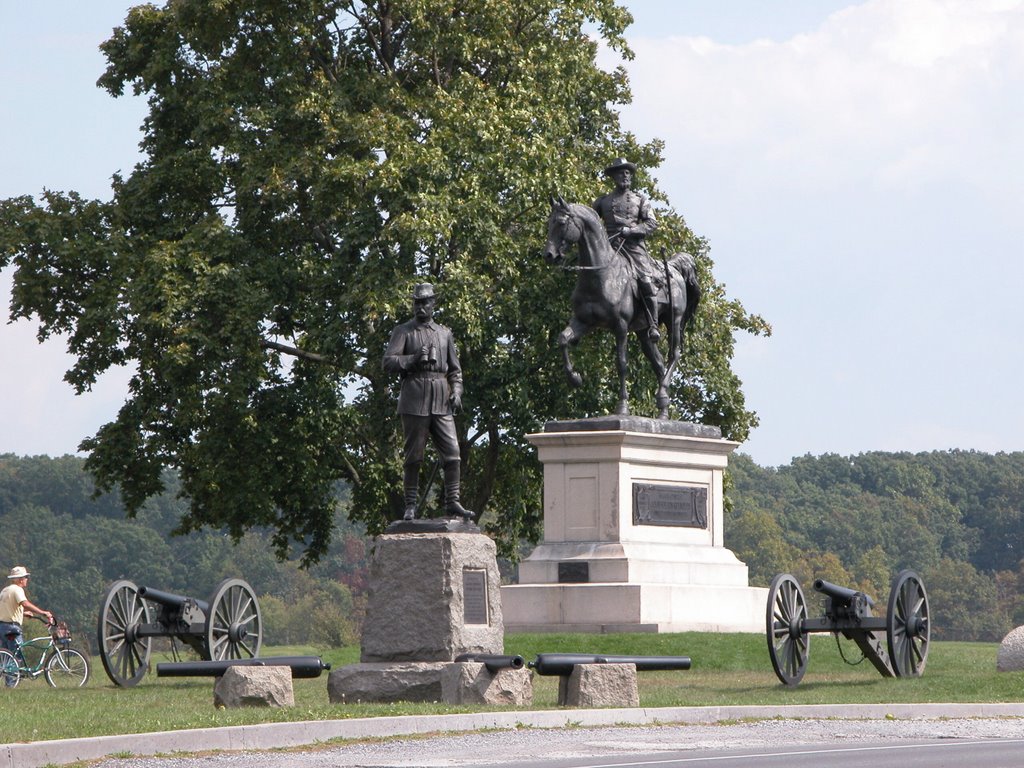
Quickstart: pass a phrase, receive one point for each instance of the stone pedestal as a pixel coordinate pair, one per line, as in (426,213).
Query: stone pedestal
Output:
(433,596)
(400,681)
(633,534)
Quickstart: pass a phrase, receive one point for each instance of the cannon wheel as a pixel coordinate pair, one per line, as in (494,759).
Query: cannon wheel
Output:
(788,644)
(125,656)
(234,628)
(907,625)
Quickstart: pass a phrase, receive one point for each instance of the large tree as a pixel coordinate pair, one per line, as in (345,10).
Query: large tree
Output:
(305,163)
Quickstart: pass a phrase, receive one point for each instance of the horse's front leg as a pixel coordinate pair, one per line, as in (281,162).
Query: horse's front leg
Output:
(570,337)
(622,362)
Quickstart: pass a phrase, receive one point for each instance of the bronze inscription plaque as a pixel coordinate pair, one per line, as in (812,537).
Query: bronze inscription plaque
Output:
(474,596)
(573,573)
(677,505)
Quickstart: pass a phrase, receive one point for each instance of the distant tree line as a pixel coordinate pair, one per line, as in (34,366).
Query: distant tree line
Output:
(957,518)
(76,545)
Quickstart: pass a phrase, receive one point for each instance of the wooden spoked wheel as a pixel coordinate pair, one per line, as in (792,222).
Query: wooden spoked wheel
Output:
(125,655)
(234,626)
(907,625)
(789,645)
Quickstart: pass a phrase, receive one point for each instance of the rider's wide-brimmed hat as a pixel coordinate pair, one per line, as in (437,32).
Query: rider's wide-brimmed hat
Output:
(617,163)
(18,572)
(423,291)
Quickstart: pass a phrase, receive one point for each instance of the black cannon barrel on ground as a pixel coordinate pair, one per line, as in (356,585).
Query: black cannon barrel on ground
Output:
(494,661)
(562,663)
(301,666)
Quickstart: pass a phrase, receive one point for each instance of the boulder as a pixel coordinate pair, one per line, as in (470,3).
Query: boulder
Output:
(1011,652)
(245,686)
(600,685)
(471,682)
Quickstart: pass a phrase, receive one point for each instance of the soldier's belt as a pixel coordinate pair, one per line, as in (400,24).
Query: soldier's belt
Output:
(428,375)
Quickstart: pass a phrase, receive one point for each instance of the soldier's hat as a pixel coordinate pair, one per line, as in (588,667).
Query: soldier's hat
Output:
(423,291)
(617,163)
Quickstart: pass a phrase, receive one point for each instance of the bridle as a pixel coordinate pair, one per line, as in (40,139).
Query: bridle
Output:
(570,217)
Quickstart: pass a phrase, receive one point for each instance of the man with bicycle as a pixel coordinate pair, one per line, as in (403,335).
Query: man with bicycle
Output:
(14,604)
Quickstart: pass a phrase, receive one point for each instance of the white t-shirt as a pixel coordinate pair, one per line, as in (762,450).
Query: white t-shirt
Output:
(11,598)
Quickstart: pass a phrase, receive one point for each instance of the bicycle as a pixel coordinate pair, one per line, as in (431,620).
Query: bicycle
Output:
(57,661)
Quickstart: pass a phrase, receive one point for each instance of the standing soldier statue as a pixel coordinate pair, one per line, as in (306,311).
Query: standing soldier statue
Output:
(423,353)
(628,220)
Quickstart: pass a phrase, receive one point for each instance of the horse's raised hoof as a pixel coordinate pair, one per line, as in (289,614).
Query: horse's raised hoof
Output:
(575,379)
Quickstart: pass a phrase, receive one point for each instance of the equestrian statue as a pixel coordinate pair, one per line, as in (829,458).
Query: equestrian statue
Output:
(619,285)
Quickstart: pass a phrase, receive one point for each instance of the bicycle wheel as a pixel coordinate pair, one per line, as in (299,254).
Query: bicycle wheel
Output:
(67,669)
(10,675)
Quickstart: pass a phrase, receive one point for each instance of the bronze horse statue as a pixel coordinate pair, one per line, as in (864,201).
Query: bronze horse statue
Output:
(605,297)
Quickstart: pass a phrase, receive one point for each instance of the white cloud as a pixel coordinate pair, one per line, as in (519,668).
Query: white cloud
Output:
(895,93)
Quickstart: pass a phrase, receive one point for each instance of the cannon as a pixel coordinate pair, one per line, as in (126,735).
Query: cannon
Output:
(302,666)
(494,661)
(227,626)
(561,664)
(906,626)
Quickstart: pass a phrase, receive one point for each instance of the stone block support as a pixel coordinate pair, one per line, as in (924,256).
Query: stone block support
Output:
(599,685)
(472,683)
(269,686)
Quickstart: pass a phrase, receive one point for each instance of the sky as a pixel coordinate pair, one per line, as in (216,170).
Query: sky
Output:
(857,167)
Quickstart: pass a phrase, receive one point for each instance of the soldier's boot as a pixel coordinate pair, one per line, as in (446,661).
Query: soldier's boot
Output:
(412,487)
(651,307)
(452,491)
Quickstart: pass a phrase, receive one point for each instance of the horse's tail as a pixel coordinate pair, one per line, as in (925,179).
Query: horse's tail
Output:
(686,266)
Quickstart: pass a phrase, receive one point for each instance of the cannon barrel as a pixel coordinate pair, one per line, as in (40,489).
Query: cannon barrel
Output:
(562,663)
(494,661)
(841,595)
(170,599)
(301,666)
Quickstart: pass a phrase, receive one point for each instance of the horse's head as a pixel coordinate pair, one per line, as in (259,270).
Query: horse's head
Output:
(564,230)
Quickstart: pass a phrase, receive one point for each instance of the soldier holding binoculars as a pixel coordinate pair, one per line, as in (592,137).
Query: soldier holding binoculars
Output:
(423,353)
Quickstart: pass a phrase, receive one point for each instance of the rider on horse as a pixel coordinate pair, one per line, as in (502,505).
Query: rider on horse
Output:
(628,220)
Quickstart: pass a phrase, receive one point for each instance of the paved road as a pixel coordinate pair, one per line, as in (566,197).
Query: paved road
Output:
(988,742)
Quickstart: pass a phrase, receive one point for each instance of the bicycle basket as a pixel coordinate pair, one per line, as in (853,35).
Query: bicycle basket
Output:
(60,633)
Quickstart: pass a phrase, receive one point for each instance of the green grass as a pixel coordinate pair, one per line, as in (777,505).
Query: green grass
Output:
(727,669)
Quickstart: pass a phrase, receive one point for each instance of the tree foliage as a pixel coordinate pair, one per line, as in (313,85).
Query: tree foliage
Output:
(304,164)
(954,517)
(75,548)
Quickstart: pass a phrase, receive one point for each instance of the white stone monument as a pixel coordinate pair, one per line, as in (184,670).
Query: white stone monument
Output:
(632,534)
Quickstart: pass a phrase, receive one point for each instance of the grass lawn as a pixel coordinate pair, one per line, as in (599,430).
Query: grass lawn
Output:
(727,669)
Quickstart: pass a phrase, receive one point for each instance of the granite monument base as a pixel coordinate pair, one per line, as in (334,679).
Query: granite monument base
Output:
(433,596)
